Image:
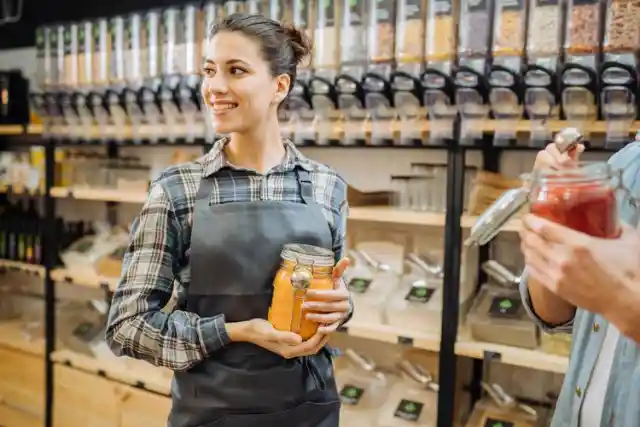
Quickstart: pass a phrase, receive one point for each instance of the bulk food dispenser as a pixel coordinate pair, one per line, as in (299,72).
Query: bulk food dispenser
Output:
(405,80)
(472,86)
(296,113)
(85,66)
(619,72)
(324,98)
(506,93)
(67,42)
(376,81)
(544,45)
(136,52)
(579,79)
(353,62)
(44,80)
(437,82)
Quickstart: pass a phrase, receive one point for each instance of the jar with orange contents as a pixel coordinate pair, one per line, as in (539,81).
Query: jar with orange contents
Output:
(303,267)
(582,198)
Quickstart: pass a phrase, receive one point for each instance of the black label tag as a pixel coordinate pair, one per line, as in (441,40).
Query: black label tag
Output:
(351,395)
(585,2)
(477,6)
(385,11)
(491,422)
(359,285)
(505,307)
(442,7)
(419,294)
(548,3)
(409,410)
(514,5)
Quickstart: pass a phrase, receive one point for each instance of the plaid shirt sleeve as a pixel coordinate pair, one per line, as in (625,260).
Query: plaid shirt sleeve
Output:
(137,327)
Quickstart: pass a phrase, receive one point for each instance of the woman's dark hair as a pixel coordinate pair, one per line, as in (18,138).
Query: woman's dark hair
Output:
(283,46)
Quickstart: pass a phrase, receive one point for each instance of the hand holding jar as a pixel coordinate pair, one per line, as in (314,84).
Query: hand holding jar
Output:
(330,308)
(589,272)
(552,158)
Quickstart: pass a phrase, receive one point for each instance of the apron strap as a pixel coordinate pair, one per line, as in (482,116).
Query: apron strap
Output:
(306,186)
(205,189)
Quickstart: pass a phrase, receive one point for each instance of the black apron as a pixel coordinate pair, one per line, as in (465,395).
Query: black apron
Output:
(235,254)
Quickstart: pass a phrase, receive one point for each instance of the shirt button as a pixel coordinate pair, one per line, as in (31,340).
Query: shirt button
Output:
(596,327)
(578,391)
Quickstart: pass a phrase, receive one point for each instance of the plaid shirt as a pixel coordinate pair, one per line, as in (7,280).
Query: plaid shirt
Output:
(157,259)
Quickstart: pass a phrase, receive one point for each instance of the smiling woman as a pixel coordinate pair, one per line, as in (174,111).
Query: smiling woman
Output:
(215,228)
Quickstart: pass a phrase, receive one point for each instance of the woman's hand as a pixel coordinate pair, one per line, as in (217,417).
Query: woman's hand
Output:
(287,344)
(330,308)
(552,158)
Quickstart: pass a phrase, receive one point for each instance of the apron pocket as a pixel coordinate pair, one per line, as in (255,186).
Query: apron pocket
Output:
(306,414)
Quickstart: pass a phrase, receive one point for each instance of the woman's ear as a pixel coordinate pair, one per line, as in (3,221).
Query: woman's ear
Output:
(283,83)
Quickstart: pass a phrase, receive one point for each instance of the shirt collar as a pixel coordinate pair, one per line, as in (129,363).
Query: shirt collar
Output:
(216,159)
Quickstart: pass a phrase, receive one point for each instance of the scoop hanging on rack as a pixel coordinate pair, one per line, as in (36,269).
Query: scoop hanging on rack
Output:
(507,205)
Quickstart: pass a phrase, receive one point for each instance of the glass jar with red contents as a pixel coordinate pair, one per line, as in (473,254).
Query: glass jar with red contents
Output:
(586,198)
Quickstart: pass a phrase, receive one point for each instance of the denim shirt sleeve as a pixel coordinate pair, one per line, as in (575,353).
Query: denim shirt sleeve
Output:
(528,306)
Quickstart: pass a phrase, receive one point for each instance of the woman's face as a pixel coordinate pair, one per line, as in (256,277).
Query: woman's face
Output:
(238,88)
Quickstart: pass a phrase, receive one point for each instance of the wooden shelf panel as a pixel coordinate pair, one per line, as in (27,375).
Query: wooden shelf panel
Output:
(13,336)
(84,278)
(136,373)
(13,130)
(392,335)
(24,267)
(534,359)
(98,194)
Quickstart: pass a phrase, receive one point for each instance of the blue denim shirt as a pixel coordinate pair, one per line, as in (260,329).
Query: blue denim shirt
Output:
(622,400)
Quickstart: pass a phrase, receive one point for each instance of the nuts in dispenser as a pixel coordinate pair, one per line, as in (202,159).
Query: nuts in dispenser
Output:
(441,31)
(582,25)
(509,26)
(623,26)
(303,267)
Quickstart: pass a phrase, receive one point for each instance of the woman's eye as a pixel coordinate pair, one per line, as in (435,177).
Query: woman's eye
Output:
(237,71)
(208,72)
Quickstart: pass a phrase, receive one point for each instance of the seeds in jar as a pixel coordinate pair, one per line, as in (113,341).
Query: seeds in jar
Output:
(441,31)
(474,34)
(544,30)
(510,31)
(583,23)
(410,31)
(623,25)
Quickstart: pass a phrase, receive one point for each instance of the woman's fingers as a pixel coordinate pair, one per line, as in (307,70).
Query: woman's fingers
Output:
(327,307)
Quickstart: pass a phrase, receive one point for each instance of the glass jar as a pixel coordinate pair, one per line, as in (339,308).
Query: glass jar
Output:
(303,267)
(582,198)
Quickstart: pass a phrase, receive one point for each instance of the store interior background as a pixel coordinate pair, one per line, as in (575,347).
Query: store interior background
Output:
(364,169)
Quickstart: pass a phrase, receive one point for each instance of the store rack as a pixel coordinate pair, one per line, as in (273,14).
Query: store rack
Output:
(453,342)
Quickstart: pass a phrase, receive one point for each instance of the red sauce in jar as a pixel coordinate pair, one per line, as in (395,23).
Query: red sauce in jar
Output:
(589,207)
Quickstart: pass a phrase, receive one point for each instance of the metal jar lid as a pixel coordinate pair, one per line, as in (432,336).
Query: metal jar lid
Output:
(307,255)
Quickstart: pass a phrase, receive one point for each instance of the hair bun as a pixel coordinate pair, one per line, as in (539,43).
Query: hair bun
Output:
(299,41)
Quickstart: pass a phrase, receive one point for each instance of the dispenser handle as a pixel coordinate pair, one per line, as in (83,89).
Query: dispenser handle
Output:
(426,264)
(373,263)
(416,372)
(500,272)
(359,360)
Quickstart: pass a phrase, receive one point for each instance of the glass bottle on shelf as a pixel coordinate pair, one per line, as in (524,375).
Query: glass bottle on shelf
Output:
(363,388)
(411,402)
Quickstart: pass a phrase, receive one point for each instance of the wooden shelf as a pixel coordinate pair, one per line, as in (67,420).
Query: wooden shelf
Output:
(24,267)
(13,336)
(97,194)
(13,130)
(84,278)
(390,334)
(133,372)
(534,359)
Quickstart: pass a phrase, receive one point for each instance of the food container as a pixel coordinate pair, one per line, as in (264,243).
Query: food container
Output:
(440,31)
(353,34)
(487,413)
(475,29)
(326,36)
(545,28)
(498,316)
(362,387)
(622,31)
(303,267)
(558,343)
(117,33)
(102,53)
(382,30)
(411,402)
(583,22)
(582,198)
(410,32)
(509,28)
(43,61)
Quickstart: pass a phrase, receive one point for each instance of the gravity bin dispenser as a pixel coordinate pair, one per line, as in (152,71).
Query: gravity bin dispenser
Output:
(322,87)
(405,79)
(619,71)
(506,95)
(544,46)
(438,87)
(353,63)
(378,96)
(472,86)
(579,79)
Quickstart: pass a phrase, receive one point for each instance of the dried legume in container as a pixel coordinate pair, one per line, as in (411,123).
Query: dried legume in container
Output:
(440,31)
(508,28)
(354,31)
(326,35)
(382,30)
(545,28)
(622,31)
(583,22)
(475,23)
(410,31)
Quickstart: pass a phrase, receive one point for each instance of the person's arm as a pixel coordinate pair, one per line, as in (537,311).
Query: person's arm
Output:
(340,211)
(137,327)
(551,312)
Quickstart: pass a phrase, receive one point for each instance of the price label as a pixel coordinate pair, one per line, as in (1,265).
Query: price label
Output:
(409,410)
(505,307)
(351,395)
